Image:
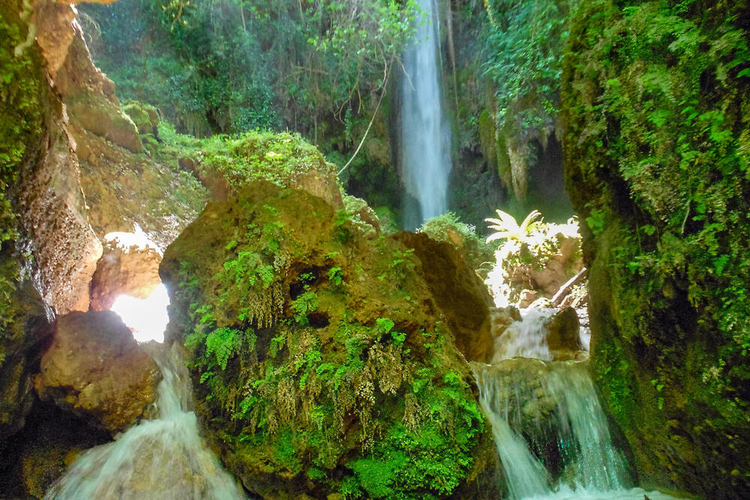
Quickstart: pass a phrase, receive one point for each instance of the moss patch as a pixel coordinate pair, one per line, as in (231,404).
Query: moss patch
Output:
(656,118)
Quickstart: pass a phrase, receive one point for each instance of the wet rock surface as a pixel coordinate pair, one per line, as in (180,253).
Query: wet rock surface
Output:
(96,369)
(24,329)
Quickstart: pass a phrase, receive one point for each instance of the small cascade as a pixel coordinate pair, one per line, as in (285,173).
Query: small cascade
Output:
(425,134)
(550,430)
(162,458)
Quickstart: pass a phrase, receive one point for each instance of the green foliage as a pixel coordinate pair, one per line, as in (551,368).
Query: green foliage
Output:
(304,305)
(223,343)
(656,103)
(524,53)
(232,66)
(531,246)
(506,227)
(21,88)
(336,276)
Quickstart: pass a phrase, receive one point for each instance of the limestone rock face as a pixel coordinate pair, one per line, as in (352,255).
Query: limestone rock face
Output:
(95,369)
(90,98)
(53,210)
(458,292)
(324,354)
(55,32)
(128,266)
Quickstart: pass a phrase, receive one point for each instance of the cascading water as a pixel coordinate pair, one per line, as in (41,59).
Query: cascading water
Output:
(425,135)
(163,458)
(550,430)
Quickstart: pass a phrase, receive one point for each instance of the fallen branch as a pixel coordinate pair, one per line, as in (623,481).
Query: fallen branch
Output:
(568,286)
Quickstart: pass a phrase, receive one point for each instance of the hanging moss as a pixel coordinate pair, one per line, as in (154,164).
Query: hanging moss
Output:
(21,89)
(655,109)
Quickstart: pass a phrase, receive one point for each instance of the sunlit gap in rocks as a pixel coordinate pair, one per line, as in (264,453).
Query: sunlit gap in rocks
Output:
(550,430)
(146,318)
(425,134)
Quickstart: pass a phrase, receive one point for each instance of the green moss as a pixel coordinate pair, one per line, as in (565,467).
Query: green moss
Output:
(655,107)
(21,88)
(305,378)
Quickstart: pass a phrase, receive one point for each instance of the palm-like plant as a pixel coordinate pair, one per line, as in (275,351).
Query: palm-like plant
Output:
(506,227)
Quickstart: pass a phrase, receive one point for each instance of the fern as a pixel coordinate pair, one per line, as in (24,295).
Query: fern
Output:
(507,228)
(223,343)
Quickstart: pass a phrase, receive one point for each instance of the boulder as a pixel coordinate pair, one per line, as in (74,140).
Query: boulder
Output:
(503,317)
(319,355)
(96,369)
(563,334)
(458,292)
(145,117)
(527,297)
(128,266)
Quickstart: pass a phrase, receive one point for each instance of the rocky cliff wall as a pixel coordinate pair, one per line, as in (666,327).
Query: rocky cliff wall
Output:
(657,141)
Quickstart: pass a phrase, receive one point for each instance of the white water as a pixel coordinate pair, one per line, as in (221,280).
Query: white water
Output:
(157,459)
(551,407)
(524,338)
(425,135)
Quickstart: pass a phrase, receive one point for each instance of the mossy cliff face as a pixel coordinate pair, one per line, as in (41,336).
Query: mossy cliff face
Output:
(657,144)
(319,362)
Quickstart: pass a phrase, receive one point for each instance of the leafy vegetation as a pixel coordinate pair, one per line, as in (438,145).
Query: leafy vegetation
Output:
(311,355)
(524,53)
(21,89)
(532,247)
(233,66)
(655,100)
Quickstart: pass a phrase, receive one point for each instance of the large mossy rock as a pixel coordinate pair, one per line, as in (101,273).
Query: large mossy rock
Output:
(318,357)
(656,110)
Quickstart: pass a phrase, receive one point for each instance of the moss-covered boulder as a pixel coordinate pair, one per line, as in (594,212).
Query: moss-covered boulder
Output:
(656,101)
(145,117)
(319,361)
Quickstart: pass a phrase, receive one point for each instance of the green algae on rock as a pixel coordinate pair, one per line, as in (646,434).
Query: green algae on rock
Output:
(319,362)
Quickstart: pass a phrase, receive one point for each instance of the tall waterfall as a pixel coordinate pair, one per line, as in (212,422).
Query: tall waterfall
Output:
(425,134)
(550,430)
(163,458)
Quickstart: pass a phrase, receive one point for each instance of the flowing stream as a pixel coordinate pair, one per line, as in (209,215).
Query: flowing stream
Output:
(550,430)
(159,459)
(425,134)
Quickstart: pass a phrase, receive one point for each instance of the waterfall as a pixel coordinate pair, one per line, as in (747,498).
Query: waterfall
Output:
(162,458)
(550,430)
(425,135)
